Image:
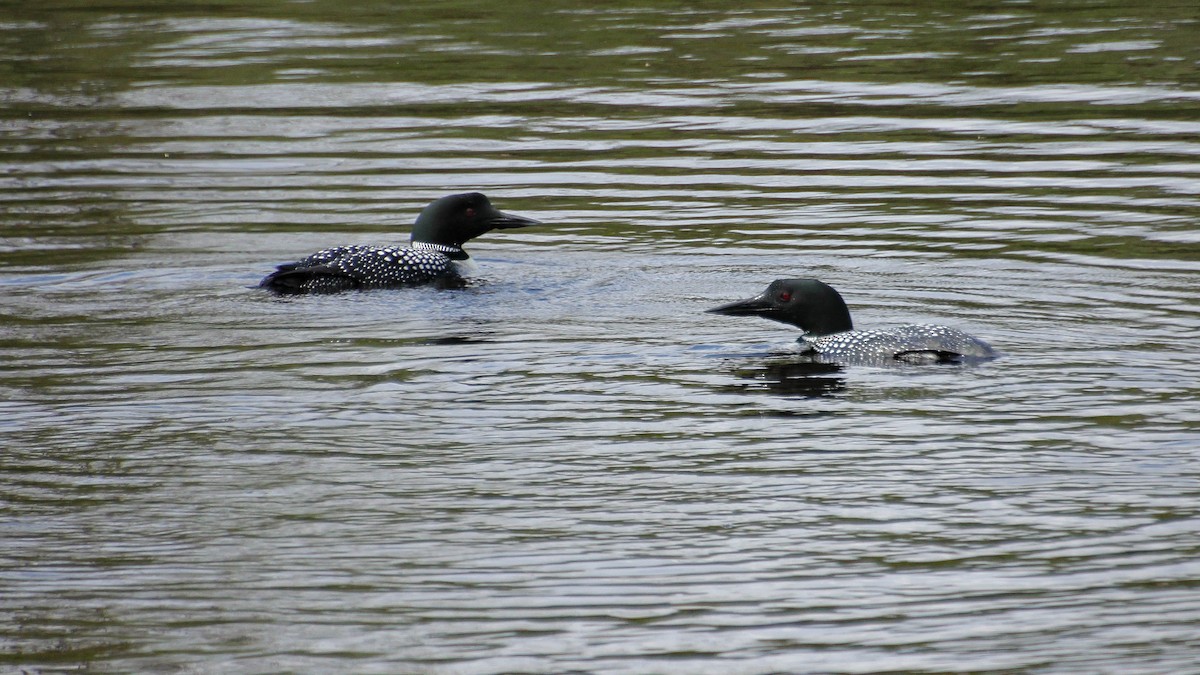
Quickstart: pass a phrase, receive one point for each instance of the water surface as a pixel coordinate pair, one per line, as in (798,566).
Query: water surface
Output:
(568,466)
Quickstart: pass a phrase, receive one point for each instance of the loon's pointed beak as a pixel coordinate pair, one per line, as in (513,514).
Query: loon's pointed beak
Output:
(507,221)
(759,305)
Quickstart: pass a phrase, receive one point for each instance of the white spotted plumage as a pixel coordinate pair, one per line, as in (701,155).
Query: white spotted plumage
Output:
(915,343)
(376,267)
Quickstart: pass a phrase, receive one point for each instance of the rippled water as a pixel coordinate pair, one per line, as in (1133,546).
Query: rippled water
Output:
(568,466)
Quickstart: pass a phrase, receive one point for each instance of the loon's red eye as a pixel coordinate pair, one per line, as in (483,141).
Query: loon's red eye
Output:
(785,296)
(470,212)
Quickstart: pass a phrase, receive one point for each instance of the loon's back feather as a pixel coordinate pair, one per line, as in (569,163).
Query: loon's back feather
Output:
(356,267)
(914,343)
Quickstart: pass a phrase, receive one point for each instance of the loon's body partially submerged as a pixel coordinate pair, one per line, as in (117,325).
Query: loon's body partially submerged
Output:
(829,335)
(437,240)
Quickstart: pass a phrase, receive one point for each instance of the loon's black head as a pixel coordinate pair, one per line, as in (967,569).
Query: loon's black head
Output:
(451,221)
(811,305)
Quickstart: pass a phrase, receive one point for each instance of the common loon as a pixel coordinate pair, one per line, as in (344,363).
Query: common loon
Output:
(829,335)
(437,240)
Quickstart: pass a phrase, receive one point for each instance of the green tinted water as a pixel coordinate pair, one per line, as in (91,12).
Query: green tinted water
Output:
(568,465)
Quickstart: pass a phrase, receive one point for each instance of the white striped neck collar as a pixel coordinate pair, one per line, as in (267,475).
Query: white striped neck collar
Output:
(452,252)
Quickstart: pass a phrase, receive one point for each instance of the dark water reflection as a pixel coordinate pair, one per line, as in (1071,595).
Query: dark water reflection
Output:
(796,376)
(568,466)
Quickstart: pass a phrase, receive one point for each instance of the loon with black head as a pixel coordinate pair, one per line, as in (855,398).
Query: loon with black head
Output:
(433,256)
(829,335)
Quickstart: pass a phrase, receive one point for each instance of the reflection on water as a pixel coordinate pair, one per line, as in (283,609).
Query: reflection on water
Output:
(567,465)
(792,377)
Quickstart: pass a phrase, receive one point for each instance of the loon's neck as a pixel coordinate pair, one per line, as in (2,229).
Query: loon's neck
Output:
(451,252)
(818,322)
